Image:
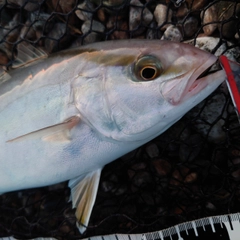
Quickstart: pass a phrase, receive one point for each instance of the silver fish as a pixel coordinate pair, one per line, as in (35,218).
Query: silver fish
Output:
(66,116)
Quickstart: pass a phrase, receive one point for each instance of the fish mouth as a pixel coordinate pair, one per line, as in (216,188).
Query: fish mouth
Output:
(191,83)
(197,84)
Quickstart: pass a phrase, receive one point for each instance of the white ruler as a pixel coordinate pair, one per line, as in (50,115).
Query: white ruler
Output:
(224,227)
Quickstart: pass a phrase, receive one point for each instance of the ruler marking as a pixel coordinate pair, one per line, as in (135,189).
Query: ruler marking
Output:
(212,224)
(161,234)
(195,228)
(230,222)
(192,229)
(178,233)
(170,235)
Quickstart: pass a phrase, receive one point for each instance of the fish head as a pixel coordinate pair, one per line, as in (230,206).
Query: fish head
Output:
(140,90)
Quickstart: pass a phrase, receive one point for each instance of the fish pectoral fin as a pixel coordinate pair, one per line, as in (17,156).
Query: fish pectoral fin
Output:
(57,132)
(83,195)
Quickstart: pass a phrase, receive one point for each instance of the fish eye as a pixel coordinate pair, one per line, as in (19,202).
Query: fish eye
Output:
(147,68)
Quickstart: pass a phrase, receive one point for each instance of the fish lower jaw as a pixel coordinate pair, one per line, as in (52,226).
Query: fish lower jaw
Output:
(209,82)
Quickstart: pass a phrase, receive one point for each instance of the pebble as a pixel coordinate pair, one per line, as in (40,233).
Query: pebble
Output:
(236,174)
(27,32)
(141,179)
(109,3)
(138,19)
(162,167)
(226,10)
(235,152)
(190,148)
(172,33)
(101,15)
(63,6)
(30,6)
(38,21)
(182,11)
(53,43)
(119,26)
(210,206)
(206,124)
(152,150)
(107,186)
(195,5)
(84,9)
(191,177)
(176,179)
(210,43)
(208,17)
(3,57)
(153,32)
(190,27)
(93,30)
(93,26)
(163,15)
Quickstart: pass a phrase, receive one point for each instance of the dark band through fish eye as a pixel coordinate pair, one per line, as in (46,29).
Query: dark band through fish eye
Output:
(148,73)
(147,68)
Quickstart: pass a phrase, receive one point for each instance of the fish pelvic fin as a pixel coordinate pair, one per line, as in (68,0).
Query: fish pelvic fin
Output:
(83,195)
(57,132)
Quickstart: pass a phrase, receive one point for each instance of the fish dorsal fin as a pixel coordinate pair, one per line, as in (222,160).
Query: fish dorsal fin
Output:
(83,195)
(28,54)
(57,132)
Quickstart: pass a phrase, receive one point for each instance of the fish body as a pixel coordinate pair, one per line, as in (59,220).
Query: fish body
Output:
(66,116)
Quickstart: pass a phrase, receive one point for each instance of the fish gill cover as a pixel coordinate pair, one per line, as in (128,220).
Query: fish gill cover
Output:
(189,172)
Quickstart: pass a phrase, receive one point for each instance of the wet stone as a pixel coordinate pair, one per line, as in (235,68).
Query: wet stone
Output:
(210,206)
(101,15)
(152,150)
(228,13)
(208,17)
(162,15)
(176,178)
(190,27)
(83,11)
(141,179)
(29,6)
(109,3)
(63,6)
(172,33)
(206,124)
(121,26)
(190,148)
(3,58)
(92,26)
(236,174)
(182,11)
(27,32)
(93,30)
(162,167)
(153,32)
(58,32)
(138,18)
(107,186)
(191,177)
(196,4)
(121,190)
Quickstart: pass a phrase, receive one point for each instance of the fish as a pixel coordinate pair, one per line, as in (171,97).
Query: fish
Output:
(63,117)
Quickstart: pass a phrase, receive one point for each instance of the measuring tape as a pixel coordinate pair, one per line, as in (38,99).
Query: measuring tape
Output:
(225,227)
